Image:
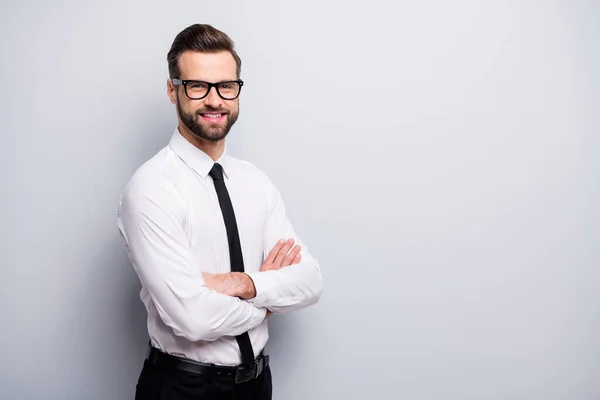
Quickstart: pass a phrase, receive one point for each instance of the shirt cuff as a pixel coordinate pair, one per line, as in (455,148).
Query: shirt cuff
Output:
(265,284)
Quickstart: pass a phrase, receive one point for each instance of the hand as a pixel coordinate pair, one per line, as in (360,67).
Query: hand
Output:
(235,284)
(281,256)
(239,284)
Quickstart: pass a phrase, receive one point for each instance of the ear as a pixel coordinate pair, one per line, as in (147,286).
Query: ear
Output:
(171,91)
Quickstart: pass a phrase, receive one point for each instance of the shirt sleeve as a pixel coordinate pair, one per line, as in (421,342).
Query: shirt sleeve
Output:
(151,217)
(293,287)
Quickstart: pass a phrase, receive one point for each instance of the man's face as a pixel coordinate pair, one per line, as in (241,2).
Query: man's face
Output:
(212,117)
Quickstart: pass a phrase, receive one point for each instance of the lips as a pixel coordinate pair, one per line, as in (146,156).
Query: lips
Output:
(213,117)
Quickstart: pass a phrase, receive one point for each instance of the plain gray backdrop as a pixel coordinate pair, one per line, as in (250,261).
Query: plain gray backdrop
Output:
(439,158)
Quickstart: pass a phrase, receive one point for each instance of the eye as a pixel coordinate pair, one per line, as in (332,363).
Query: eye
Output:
(198,85)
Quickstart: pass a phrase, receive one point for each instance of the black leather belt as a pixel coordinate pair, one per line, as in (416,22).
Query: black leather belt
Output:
(239,374)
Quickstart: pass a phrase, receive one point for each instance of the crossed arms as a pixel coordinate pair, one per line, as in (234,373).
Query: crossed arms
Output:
(239,284)
(201,306)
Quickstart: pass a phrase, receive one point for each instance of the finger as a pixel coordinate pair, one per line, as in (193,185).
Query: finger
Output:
(273,253)
(298,258)
(266,267)
(289,259)
(283,252)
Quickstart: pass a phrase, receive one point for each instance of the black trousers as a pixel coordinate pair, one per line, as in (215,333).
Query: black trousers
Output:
(158,384)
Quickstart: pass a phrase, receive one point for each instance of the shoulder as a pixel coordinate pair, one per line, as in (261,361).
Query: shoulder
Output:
(157,180)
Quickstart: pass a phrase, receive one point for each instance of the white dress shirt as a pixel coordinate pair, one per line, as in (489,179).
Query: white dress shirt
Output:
(172,225)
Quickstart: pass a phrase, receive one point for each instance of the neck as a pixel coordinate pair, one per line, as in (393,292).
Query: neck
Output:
(212,149)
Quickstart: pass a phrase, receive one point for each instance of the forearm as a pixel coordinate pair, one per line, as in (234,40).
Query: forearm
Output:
(211,315)
(235,284)
(194,310)
(288,289)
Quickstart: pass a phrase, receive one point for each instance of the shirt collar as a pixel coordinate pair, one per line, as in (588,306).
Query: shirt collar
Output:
(195,158)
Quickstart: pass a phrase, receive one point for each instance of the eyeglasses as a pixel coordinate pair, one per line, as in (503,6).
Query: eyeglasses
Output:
(196,90)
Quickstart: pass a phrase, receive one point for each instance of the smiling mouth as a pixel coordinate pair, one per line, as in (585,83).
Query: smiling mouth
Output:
(213,116)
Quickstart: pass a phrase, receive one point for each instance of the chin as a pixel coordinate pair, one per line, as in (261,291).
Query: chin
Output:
(217,138)
(211,136)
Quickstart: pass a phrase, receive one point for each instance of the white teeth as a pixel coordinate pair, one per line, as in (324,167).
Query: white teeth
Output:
(212,115)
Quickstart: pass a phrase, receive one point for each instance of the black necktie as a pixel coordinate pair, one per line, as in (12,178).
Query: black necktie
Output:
(235,250)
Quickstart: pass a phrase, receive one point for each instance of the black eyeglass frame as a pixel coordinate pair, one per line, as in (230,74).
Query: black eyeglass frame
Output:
(184,83)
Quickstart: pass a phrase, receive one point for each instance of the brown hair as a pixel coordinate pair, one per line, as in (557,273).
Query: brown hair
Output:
(203,38)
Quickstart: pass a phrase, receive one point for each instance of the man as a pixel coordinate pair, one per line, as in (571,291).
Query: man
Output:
(209,238)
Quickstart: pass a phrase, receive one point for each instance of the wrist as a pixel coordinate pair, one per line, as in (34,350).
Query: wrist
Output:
(251,289)
(248,289)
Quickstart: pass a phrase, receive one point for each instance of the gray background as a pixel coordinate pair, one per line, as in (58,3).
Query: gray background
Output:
(440,158)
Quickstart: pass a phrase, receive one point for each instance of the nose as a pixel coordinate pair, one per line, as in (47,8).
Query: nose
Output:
(213,99)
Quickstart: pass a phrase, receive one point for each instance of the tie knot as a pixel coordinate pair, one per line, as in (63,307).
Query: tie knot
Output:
(216,172)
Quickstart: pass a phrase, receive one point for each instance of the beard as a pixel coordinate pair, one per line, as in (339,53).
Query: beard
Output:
(207,131)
